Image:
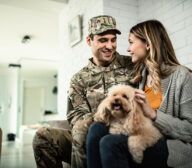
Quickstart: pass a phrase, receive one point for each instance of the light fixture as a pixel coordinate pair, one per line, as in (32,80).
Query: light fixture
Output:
(14,65)
(26,39)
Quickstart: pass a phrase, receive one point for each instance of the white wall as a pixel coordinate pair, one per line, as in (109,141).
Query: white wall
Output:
(176,15)
(4,116)
(50,99)
(13,99)
(126,14)
(9,100)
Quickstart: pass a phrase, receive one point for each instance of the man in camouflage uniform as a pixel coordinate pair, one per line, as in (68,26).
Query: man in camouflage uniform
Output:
(88,87)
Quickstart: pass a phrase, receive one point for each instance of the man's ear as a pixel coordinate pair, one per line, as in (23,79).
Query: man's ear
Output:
(88,39)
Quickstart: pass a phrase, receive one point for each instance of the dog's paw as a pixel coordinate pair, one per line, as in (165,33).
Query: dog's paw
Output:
(136,154)
(138,158)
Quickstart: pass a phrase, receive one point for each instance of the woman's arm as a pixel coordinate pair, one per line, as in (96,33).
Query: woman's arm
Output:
(178,125)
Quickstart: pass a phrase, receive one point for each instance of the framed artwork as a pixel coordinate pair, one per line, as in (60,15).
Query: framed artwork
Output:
(74,29)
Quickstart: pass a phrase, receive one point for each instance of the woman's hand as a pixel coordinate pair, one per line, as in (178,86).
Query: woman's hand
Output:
(141,98)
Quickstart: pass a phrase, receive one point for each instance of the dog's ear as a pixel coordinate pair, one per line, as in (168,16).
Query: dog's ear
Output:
(103,113)
(134,121)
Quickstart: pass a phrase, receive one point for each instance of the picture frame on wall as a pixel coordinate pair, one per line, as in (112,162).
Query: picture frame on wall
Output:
(74,29)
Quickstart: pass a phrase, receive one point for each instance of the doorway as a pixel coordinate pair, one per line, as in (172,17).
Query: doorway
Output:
(33,105)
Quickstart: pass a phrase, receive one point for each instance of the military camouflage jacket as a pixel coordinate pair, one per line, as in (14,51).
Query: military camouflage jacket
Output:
(90,85)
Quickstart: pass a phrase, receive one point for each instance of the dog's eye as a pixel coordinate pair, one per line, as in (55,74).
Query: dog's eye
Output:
(125,96)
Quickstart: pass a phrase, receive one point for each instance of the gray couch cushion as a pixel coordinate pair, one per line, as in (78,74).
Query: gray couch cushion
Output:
(59,124)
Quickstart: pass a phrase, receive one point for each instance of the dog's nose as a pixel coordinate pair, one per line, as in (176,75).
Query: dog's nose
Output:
(116,100)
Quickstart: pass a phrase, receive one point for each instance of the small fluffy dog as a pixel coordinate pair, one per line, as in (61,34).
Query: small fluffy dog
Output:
(121,112)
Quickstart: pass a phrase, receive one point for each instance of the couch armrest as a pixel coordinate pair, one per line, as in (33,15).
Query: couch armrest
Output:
(59,124)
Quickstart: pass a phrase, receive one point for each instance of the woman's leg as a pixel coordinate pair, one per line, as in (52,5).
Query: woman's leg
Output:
(156,156)
(95,133)
(114,152)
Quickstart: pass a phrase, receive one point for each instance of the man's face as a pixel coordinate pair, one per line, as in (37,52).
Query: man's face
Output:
(103,47)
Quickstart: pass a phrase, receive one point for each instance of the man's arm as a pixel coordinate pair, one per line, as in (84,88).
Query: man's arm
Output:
(78,105)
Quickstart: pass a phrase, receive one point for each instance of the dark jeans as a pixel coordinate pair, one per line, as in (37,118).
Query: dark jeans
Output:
(105,150)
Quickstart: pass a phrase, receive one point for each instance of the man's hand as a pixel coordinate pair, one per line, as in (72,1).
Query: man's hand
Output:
(83,125)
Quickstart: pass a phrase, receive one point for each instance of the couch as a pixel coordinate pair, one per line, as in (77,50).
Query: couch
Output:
(59,124)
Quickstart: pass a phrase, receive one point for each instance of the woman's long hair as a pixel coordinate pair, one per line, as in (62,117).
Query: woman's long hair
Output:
(161,53)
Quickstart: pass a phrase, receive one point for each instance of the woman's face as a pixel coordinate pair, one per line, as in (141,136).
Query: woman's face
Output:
(137,48)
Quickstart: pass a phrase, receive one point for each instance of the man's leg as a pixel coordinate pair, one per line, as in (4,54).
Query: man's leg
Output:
(95,133)
(78,157)
(52,146)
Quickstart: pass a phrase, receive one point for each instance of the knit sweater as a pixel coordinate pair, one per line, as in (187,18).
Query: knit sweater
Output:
(174,117)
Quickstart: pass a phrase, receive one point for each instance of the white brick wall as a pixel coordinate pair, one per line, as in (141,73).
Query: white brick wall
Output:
(176,15)
(125,13)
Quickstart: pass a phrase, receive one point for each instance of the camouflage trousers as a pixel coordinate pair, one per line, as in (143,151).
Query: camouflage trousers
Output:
(78,157)
(52,146)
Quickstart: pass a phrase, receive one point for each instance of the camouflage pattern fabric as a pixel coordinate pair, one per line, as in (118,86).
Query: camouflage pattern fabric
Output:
(78,157)
(52,146)
(100,24)
(88,87)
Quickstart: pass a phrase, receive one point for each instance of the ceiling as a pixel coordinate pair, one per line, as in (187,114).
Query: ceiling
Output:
(40,20)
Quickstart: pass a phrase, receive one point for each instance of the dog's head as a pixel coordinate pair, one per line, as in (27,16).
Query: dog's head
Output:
(117,104)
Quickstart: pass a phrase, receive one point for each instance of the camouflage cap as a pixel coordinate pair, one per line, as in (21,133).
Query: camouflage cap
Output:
(102,23)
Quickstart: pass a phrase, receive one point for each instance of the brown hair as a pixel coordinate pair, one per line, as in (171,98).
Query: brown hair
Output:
(161,53)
